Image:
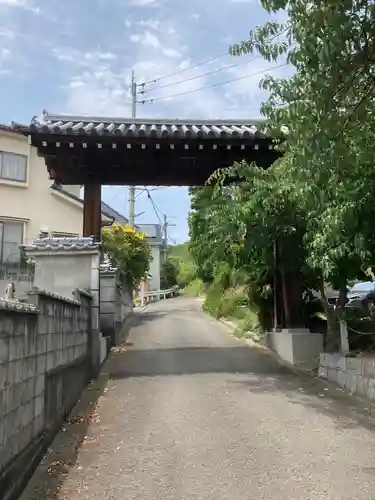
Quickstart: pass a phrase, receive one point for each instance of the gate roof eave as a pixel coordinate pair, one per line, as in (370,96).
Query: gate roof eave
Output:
(144,128)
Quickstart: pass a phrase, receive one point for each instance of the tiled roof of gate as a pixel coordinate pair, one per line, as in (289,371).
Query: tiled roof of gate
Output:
(144,128)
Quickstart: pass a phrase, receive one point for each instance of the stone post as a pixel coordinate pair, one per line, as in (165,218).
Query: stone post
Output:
(64,264)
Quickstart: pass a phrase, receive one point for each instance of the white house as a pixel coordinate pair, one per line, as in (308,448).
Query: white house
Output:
(30,202)
(155,239)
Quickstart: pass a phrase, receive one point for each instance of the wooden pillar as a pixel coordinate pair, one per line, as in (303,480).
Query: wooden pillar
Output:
(92,215)
(290,279)
(278,316)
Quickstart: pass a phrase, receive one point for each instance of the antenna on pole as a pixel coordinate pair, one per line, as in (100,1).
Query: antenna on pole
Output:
(132,188)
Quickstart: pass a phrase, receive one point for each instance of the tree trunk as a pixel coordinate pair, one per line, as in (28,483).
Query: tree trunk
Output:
(331,340)
(333,316)
(278,310)
(285,295)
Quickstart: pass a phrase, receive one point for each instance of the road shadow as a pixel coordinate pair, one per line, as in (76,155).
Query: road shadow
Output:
(142,317)
(147,316)
(345,410)
(257,372)
(192,361)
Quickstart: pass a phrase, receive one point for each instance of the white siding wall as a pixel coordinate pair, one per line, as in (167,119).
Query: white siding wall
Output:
(154,281)
(34,202)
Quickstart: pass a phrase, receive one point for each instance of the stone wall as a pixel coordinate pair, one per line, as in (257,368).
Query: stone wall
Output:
(357,375)
(64,264)
(44,366)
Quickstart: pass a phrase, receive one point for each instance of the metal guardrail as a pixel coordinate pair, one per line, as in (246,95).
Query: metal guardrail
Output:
(159,293)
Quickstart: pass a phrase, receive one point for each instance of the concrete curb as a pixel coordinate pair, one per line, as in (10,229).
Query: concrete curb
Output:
(267,351)
(262,347)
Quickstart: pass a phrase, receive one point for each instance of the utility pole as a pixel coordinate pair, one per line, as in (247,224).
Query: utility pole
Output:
(165,230)
(132,188)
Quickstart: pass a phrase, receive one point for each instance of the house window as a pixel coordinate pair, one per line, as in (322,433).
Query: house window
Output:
(11,236)
(13,166)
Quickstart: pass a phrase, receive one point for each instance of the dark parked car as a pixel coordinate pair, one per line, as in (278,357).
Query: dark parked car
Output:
(362,296)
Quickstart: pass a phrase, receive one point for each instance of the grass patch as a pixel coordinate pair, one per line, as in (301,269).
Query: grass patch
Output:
(195,288)
(233,304)
(249,326)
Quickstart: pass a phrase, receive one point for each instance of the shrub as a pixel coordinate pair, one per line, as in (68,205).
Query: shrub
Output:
(250,326)
(128,250)
(195,288)
(214,301)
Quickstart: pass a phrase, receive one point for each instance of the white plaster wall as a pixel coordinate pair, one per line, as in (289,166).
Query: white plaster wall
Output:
(34,202)
(154,281)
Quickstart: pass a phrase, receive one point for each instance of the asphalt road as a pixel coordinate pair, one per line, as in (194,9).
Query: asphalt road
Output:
(191,413)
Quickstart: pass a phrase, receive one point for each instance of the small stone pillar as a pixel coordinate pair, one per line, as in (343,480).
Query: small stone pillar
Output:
(64,264)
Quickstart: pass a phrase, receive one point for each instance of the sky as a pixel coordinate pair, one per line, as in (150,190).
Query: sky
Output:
(76,57)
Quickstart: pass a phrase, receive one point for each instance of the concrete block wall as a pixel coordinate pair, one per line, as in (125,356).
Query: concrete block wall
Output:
(356,375)
(116,304)
(47,335)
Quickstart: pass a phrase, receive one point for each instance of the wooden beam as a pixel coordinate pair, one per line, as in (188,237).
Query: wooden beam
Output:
(92,210)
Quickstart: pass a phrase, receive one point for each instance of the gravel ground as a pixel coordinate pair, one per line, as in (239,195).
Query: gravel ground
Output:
(191,413)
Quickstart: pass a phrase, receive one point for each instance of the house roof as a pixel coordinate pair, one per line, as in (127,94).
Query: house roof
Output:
(153,233)
(10,129)
(111,212)
(143,127)
(105,209)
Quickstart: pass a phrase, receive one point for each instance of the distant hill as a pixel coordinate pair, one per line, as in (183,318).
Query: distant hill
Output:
(181,258)
(180,251)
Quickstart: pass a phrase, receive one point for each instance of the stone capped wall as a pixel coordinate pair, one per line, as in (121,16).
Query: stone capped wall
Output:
(357,375)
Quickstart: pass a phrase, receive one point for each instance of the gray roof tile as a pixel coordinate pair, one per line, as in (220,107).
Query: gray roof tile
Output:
(142,127)
(53,244)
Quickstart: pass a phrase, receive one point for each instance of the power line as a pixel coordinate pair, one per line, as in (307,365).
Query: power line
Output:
(185,69)
(206,61)
(229,66)
(153,202)
(144,190)
(212,85)
(154,206)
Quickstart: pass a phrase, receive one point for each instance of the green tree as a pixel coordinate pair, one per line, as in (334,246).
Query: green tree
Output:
(168,277)
(328,109)
(181,258)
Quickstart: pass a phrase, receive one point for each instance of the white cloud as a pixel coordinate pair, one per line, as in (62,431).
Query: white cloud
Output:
(6,33)
(20,3)
(4,53)
(11,3)
(100,84)
(147,39)
(151,23)
(94,71)
(144,3)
